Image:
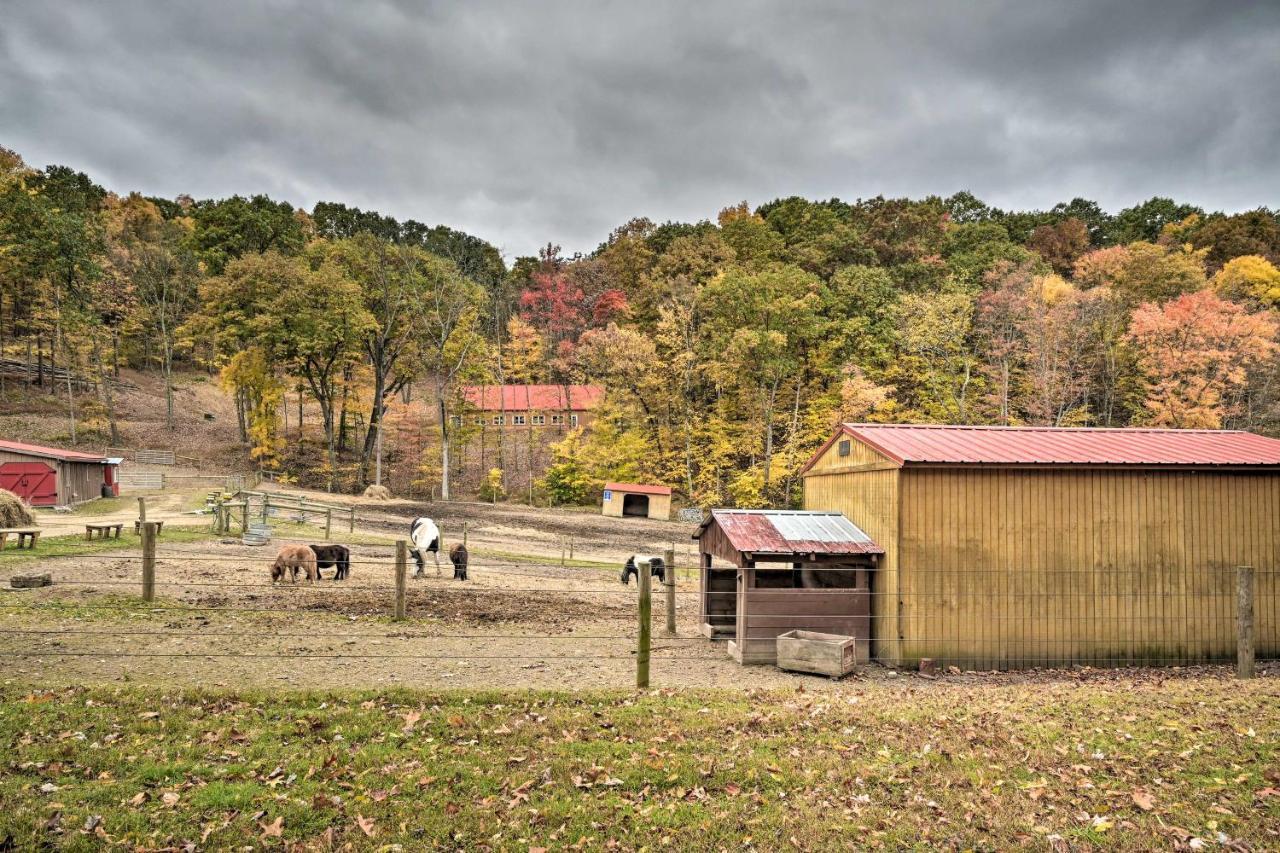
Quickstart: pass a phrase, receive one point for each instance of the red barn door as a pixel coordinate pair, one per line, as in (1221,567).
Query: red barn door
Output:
(34,482)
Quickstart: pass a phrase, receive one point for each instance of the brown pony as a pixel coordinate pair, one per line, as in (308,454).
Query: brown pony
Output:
(291,559)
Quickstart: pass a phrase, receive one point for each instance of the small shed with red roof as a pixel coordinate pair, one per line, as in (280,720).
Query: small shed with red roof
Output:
(764,572)
(636,500)
(53,476)
(1015,547)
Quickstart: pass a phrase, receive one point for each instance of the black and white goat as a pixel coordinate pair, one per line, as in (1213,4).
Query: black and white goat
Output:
(657,567)
(424,536)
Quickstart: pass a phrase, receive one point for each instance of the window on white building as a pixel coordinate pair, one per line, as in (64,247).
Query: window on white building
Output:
(539,420)
(499,420)
(518,420)
(556,419)
(573,420)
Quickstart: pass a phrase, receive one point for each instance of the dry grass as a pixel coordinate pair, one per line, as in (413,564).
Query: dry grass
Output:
(1129,765)
(14,511)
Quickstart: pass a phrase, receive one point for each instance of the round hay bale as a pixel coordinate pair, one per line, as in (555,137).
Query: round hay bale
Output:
(14,511)
(378,493)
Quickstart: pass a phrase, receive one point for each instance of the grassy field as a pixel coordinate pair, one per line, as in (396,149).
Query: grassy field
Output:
(1122,762)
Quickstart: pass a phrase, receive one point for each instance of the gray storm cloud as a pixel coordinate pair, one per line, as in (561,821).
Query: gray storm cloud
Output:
(525,122)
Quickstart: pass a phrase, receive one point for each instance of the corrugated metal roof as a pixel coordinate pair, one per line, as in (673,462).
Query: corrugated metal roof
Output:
(638,488)
(992,445)
(50,452)
(519,398)
(776,531)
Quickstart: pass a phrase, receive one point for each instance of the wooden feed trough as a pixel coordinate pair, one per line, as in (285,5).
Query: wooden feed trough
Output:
(834,655)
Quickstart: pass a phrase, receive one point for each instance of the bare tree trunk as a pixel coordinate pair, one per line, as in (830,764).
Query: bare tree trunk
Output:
(104,385)
(444,446)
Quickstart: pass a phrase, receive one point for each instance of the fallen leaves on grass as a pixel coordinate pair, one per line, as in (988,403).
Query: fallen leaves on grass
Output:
(366,825)
(1143,800)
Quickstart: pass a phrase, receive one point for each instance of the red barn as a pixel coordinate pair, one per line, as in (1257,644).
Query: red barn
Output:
(51,476)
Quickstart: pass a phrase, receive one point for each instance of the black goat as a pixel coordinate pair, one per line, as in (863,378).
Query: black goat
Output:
(458,556)
(333,555)
(657,567)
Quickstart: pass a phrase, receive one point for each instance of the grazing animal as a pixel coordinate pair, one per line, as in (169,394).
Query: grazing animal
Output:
(425,536)
(657,567)
(333,555)
(291,560)
(458,556)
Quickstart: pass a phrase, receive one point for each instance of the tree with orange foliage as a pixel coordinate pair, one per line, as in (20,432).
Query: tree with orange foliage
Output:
(1197,350)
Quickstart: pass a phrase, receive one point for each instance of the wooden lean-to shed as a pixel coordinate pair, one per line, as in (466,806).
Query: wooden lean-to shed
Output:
(1009,547)
(786,570)
(52,476)
(636,500)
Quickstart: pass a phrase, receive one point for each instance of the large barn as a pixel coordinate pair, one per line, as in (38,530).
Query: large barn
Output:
(51,476)
(1009,547)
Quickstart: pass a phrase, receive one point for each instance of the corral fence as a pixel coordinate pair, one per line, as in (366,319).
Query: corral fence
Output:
(1143,621)
(1006,619)
(161,574)
(158,481)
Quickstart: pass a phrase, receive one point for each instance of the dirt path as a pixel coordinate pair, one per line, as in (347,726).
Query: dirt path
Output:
(170,507)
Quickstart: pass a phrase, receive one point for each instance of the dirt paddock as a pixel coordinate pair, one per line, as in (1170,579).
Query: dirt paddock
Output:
(218,621)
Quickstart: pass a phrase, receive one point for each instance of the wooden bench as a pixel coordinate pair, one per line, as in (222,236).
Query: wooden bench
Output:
(137,526)
(104,531)
(27,536)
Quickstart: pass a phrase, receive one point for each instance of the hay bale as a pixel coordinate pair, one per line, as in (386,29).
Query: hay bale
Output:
(378,493)
(30,581)
(14,511)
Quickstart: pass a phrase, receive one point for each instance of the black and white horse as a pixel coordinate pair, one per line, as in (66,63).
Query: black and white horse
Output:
(424,536)
(657,567)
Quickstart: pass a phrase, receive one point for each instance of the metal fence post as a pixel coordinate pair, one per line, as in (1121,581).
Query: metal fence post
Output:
(643,578)
(402,572)
(1244,621)
(149,561)
(669,581)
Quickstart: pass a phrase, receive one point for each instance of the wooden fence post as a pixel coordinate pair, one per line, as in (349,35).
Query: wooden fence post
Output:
(142,509)
(402,571)
(669,582)
(562,552)
(644,579)
(149,561)
(570,548)
(351,521)
(1244,621)
(328,521)
(464,534)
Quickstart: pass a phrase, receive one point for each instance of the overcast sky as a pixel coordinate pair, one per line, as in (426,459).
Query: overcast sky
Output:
(524,122)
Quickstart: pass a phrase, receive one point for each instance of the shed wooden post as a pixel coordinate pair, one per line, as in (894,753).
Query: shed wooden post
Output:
(402,572)
(149,561)
(643,578)
(670,583)
(1244,622)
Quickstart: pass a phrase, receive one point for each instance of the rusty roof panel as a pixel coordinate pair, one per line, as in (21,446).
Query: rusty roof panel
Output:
(50,452)
(772,531)
(988,445)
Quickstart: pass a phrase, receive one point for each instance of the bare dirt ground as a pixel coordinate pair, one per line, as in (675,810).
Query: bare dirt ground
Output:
(219,621)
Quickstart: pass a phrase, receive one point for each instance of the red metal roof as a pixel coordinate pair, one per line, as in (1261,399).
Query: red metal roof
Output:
(50,452)
(519,398)
(638,488)
(777,531)
(993,445)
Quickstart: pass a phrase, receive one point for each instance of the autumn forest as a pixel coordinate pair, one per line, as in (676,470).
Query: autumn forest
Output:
(728,349)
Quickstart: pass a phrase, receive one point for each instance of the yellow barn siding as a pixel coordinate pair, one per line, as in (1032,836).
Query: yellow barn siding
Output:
(1010,568)
(870,500)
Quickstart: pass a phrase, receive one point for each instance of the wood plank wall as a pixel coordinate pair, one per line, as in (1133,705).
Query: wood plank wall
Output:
(1010,568)
(864,486)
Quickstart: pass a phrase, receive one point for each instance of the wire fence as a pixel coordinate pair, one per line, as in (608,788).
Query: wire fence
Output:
(972,619)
